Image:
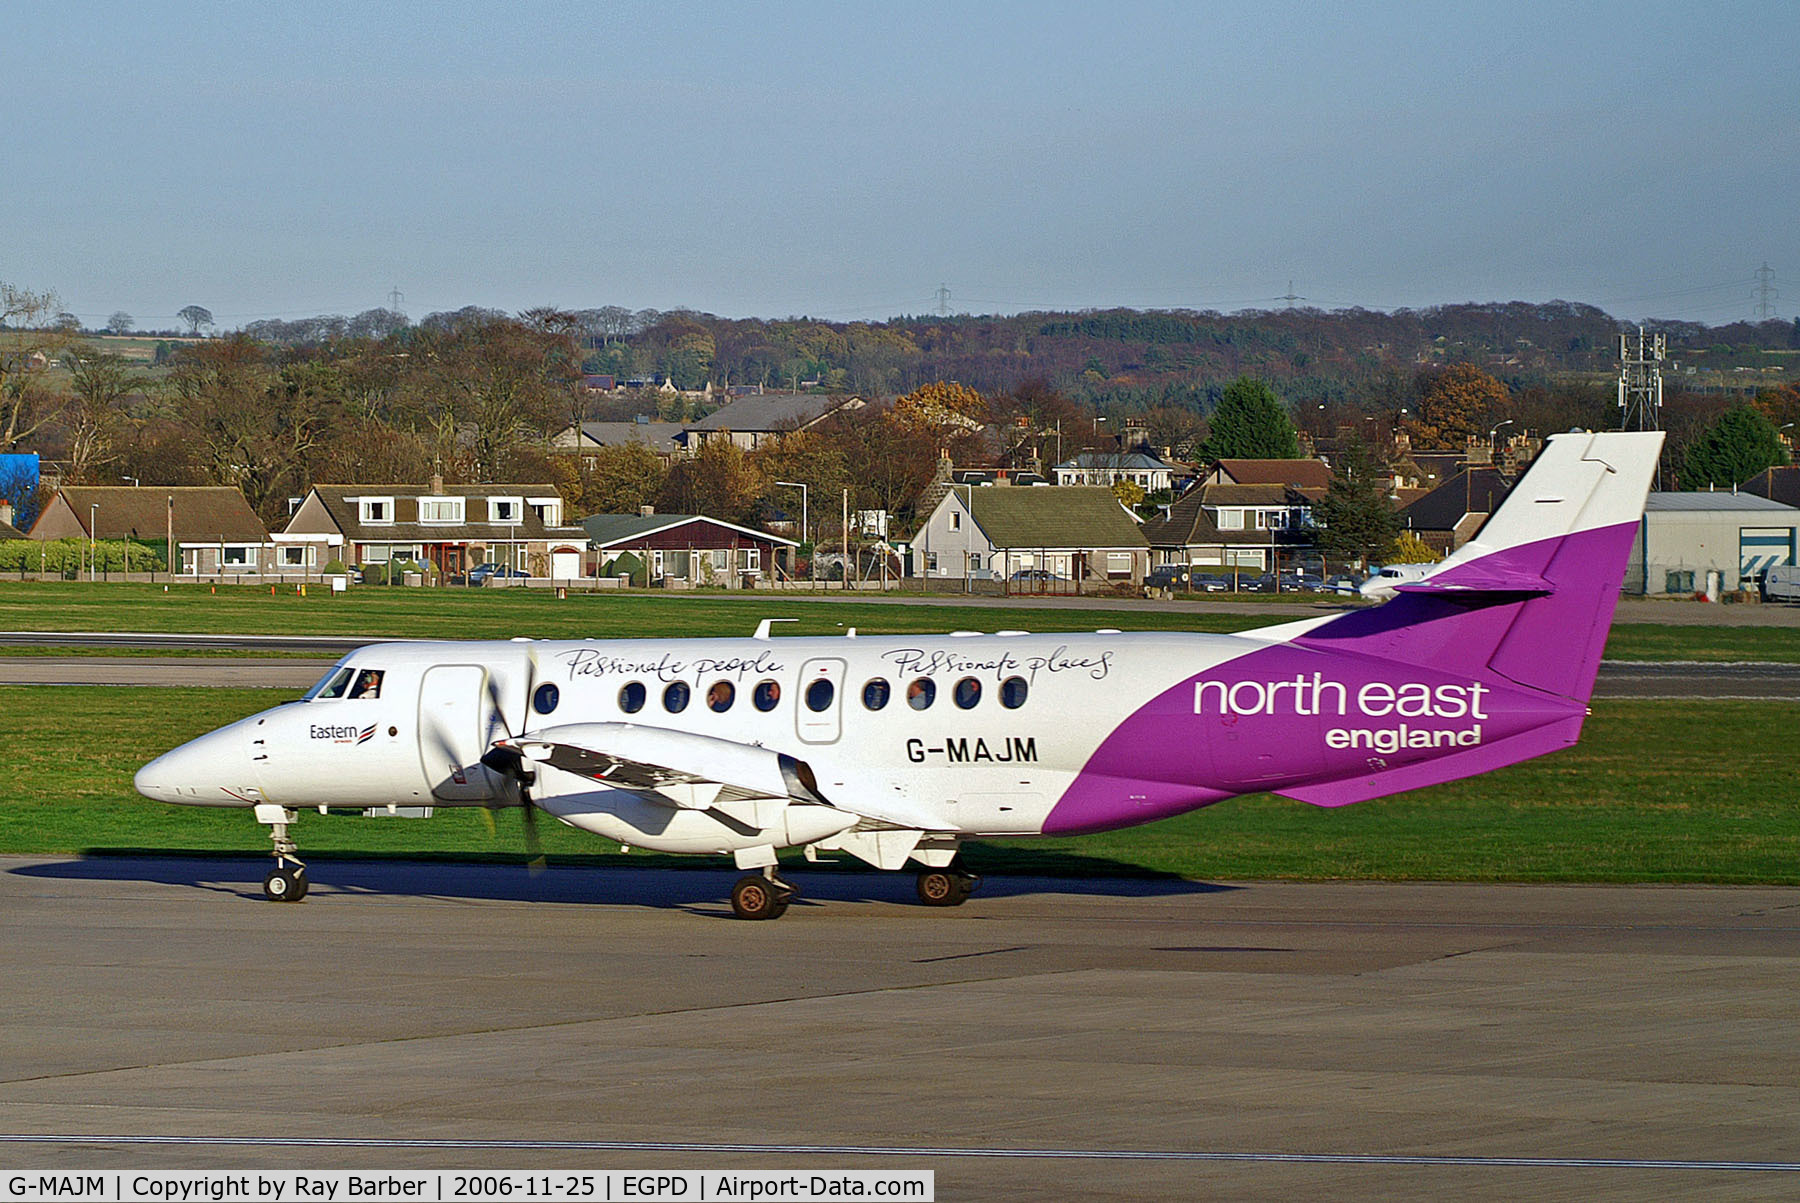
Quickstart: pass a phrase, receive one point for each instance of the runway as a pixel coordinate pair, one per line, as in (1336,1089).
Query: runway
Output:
(1051,1039)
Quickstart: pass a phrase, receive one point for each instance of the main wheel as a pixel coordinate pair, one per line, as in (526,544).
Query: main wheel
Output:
(754,897)
(941,887)
(284,885)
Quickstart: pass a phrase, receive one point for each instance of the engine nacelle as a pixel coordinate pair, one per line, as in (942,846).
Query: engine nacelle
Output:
(628,818)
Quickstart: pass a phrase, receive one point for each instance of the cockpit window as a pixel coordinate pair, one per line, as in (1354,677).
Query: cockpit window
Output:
(368,684)
(331,685)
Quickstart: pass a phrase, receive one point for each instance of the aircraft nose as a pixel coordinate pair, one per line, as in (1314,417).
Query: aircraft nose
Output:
(197,771)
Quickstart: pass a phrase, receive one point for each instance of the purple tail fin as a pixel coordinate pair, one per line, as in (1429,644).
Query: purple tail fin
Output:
(1531,599)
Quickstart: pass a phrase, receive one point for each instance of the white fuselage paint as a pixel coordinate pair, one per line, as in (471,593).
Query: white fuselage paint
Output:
(984,769)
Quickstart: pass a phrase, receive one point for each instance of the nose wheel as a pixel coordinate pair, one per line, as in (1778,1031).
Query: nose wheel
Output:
(286,882)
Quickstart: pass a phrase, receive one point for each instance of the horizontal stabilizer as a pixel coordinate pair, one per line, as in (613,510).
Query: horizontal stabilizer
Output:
(1471,590)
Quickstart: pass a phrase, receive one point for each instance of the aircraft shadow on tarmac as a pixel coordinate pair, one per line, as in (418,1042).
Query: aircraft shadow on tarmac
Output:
(702,889)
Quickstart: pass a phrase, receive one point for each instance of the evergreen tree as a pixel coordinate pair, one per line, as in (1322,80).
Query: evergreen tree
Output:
(1355,519)
(1250,423)
(1732,450)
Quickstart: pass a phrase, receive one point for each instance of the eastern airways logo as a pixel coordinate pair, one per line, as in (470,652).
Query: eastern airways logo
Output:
(1431,702)
(344,735)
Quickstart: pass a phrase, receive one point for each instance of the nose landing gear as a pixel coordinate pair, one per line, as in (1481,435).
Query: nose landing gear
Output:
(286,882)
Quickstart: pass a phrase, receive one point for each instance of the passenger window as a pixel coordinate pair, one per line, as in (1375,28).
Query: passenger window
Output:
(967,693)
(921,693)
(1013,692)
(766,694)
(819,695)
(332,685)
(720,697)
(545,697)
(368,684)
(876,693)
(631,698)
(675,697)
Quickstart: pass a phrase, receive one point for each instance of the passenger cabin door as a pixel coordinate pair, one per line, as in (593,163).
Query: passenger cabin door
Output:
(456,727)
(819,711)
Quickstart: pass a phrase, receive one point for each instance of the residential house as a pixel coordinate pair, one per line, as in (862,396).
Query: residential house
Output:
(585,438)
(752,421)
(1310,477)
(1250,527)
(1777,484)
(1149,472)
(1452,513)
(211,528)
(1078,533)
(453,527)
(684,550)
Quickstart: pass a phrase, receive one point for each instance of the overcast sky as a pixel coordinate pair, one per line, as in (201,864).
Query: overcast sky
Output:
(286,159)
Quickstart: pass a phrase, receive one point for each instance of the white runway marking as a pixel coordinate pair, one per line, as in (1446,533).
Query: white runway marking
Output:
(684,1146)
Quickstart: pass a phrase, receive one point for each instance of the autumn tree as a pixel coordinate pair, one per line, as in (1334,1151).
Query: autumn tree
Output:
(1454,405)
(1741,443)
(942,408)
(718,481)
(622,479)
(489,385)
(1250,423)
(889,461)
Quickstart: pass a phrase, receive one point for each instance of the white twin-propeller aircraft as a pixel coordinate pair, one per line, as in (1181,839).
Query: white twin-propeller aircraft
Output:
(896,750)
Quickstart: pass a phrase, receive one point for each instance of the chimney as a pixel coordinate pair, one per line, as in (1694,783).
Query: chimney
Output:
(6,511)
(437,484)
(646,511)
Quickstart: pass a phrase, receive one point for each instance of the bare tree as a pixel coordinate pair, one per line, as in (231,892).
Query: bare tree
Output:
(27,349)
(94,413)
(120,323)
(196,316)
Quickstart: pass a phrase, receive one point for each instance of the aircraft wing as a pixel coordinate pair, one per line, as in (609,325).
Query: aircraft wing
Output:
(675,767)
(699,772)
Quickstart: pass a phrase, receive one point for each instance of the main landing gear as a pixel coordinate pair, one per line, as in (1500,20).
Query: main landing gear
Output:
(761,896)
(286,882)
(949,886)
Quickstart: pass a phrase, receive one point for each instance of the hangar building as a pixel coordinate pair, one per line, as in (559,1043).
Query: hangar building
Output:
(1685,536)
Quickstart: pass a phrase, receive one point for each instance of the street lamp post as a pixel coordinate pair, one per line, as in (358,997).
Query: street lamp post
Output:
(811,570)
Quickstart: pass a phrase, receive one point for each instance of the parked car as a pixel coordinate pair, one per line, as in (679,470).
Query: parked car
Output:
(1266,583)
(1029,575)
(482,573)
(1304,580)
(1206,582)
(1343,582)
